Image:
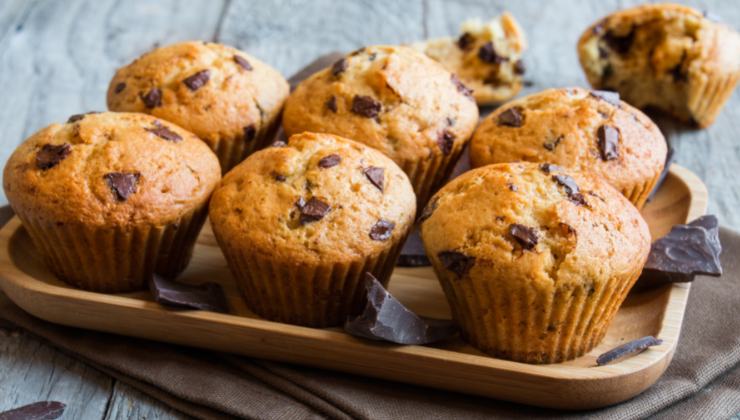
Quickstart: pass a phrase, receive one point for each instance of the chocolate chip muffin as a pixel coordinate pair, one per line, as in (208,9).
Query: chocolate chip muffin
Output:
(590,131)
(486,57)
(229,99)
(665,56)
(300,224)
(393,99)
(534,260)
(110,198)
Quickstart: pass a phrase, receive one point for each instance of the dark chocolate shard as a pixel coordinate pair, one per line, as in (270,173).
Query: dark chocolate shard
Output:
(163,132)
(50,155)
(339,67)
(331,104)
(465,41)
(687,250)
(366,106)
(551,145)
(384,318)
(512,117)
(243,62)
(445,141)
(207,296)
(197,80)
(460,86)
(606,96)
(119,87)
(382,230)
(519,67)
(329,160)
(457,262)
(376,176)
(250,132)
(312,210)
(549,167)
(487,54)
(153,98)
(123,184)
(525,236)
(608,142)
(628,349)
(42,410)
(571,188)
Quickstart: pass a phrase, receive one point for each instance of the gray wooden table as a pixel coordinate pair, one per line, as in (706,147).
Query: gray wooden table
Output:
(56,59)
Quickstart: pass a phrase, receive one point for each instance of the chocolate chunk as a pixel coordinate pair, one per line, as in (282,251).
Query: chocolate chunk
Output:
(279,177)
(42,410)
(620,43)
(512,117)
(382,230)
(607,96)
(525,236)
(122,184)
(339,67)
(366,106)
(512,187)
(75,118)
(331,103)
(607,72)
(329,161)
(428,210)
(460,86)
(487,54)
(50,155)
(198,80)
(608,142)
(553,144)
(457,262)
(519,67)
(687,250)
(412,253)
(250,132)
(384,318)
(465,41)
(549,167)
(628,349)
(207,296)
(312,210)
(445,141)
(376,176)
(119,87)
(571,189)
(677,71)
(153,98)
(243,62)
(161,131)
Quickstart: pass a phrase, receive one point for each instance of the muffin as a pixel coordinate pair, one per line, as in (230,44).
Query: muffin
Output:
(301,223)
(534,260)
(394,99)
(665,56)
(486,57)
(110,198)
(590,131)
(229,99)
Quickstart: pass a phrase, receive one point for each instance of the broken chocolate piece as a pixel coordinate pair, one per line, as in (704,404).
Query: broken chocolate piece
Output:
(571,189)
(549,167)
(487,54)
(608,142)
(329,161)
(312,210)
(445,141)
(620,43)
(122,184)
(250,131)
(687,250)
(525,236)
(50,155)
(382,230)
(384,318)
(42,410)
(457,262)
(553,144)
(519,67)
(243,62)
(153,98)
(366,106)
(460,86)
(465,41)
(339,67)
(376,176)
(512,117)
(606,96)
(119,87)
(207,296)
(331,103)
(412,253)
(198,80)
(628,349)
(163,132)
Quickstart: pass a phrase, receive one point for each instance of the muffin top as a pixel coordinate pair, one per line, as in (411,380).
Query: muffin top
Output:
(110,169)
(575,128)
(392,98)
(213,90)
(534,223)
(318,197)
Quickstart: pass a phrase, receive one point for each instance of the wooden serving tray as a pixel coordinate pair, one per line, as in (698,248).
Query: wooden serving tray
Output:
(454,365)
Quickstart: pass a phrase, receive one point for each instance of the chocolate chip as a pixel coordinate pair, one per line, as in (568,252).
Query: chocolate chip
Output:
(42,410)
(603,52)
(457,262)
(512,117)
(153,98)
(465,41)
(329,161)
(628,349)
(312,210)
(243,62)
(376,176)
(75,118)
(160,130)
(677,71)
(366,106)
(607,96)
(198,80)
(207,296)
(123,184)
(119,87)
(445,141)
(620,43)
(607,72)
(608,142)
(428,210)
(250,131)
(331,103)
(571,188)
(487,54)
(519,67)
(461,86)
(339,67)
(525,236)
(279,177)
(382,230)
(549,167)
(50,155)
(512,187)
(553,144)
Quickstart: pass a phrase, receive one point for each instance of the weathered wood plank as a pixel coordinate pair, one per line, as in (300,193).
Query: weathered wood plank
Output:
(128,403)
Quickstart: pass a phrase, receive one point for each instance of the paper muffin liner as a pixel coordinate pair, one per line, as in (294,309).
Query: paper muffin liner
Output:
(708,96)
(231,151)
(428,175)
(639,193)
(525,324)
(114,259)
(314,295)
